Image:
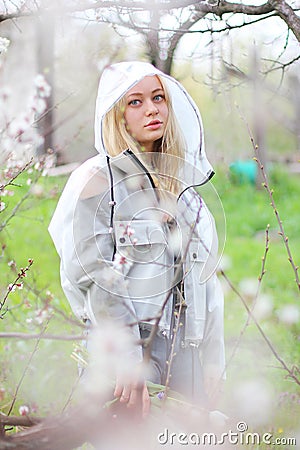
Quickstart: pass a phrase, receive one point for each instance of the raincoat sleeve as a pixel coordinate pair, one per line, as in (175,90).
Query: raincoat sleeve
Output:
(93,286)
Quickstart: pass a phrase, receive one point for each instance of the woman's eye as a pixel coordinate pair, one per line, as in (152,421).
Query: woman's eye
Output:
(134,102)
(158,97)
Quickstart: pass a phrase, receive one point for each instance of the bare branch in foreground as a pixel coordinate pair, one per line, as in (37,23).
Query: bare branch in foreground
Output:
(51,337)
(280,223)
(290,372)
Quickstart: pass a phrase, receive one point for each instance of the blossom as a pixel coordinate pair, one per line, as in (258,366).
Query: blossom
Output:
(43,88)
(18,127)
(7,193)
(42,315)
(5,92)
(289,314)
(4,44)
(119,261)
(2,206)
(161,395)
(11,287)
(38,105)
(129,231)
(263,307)
(248,287)
(24,410)
(37,190)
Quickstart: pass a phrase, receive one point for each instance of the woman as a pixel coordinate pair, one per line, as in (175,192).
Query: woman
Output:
(136,242)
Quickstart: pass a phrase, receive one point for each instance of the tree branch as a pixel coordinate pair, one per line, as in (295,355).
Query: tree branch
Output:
(287,14)
(53,337)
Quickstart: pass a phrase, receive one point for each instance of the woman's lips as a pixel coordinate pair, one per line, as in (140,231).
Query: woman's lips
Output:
(154,124)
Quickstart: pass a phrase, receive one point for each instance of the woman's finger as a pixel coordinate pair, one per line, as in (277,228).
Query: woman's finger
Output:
(125,394)
(146,402)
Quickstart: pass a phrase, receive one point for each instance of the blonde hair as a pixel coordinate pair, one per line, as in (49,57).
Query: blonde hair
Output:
(116,139)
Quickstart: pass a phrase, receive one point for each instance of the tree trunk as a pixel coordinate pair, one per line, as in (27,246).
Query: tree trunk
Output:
(45,66)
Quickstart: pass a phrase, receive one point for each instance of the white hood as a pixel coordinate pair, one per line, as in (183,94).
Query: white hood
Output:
(118,78)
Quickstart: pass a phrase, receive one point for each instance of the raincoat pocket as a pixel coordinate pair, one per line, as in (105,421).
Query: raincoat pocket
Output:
(140,241)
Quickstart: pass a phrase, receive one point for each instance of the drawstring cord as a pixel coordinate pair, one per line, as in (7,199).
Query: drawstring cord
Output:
(112,204)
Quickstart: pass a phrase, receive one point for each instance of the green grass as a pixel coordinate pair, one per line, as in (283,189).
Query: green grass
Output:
(247,212)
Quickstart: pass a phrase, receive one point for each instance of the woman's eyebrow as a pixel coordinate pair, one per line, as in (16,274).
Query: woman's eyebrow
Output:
(141,93)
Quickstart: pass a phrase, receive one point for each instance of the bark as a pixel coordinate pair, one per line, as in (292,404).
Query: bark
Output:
(288,15)
(45,66)
(64,432)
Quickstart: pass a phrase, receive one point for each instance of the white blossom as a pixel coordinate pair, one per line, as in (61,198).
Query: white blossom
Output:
(248,287)
(18,127)
(37,190)
(2,206)
(253,401)
(225,263)
(43,88)
(42,315)
(5,93)
(289,314)
(4,44)
(263,307)
(38,105)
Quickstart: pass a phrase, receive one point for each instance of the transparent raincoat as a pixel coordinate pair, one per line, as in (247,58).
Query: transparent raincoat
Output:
(118,252)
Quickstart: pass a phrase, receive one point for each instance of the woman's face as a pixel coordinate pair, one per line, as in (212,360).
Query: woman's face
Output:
(146,112)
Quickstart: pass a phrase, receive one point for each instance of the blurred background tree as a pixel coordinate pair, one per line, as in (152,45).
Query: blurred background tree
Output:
(241,51)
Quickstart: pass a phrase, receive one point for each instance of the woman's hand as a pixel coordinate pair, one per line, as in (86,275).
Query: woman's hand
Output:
(135,394)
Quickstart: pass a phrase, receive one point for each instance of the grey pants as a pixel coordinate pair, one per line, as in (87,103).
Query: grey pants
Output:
(186,371)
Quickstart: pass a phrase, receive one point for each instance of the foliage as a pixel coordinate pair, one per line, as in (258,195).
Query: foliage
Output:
(40,304)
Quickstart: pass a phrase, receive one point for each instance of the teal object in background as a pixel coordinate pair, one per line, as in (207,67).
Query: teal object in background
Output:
(244,171)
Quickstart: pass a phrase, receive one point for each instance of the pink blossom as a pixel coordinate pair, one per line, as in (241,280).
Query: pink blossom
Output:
(24,410)
(43,88)
(119,261)
(128,231)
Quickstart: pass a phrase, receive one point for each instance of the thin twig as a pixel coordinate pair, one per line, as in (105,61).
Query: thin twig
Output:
(266,185)
(24,374)
(266,339)
(12,286)
(275,209)
(243,330)
(42,335)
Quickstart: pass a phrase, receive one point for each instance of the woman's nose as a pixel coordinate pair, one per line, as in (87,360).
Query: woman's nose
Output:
(151,109)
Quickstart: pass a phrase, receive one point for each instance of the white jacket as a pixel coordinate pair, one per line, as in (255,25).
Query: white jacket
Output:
(118,252)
